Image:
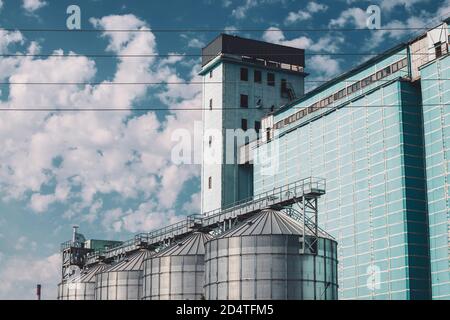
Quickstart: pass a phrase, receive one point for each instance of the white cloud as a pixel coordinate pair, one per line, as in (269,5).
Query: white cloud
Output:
(146,217)
(226,3)
(327,43)
(196,43)
(305,14)
(19,276)
(8,38)
(324,66)
(389,5)
(193,206)
(294,17)
(314,7)
(351,16)
(241,11)
(33,5)
(99,153)
(1,5)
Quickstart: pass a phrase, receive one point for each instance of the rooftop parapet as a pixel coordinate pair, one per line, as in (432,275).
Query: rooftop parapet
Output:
(254,51)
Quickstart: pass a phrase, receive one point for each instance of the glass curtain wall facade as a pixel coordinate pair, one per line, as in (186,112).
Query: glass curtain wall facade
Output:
(370,153)
(436,114)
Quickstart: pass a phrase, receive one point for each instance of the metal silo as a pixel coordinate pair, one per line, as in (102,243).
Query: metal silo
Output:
(123,280)
(81,287)
(177,273)
(266,258)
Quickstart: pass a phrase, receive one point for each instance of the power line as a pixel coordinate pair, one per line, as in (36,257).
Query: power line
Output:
(208,30)
(169,55)
(177,82)
(143,108)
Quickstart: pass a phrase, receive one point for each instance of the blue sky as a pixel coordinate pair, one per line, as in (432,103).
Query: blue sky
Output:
(111,172)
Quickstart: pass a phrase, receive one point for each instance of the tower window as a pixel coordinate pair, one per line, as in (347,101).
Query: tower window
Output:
(257,125)
(257,76)
(210,141)
(244,74)
(271,79)
(244,101)
(210,183)
(210,104)
(244,125)
(210,74)
(438,49)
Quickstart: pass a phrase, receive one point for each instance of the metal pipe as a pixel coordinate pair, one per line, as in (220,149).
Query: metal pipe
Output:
(74,235)
(38,291)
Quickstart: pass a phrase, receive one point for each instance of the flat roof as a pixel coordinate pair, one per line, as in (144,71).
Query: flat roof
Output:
(230,44)
(358,68)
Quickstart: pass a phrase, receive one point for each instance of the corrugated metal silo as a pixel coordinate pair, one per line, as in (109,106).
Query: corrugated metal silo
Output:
(177,273)
(263,259)
(123,280)
(81,287)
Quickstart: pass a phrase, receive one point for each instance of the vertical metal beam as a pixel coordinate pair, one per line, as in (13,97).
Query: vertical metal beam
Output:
(303,213)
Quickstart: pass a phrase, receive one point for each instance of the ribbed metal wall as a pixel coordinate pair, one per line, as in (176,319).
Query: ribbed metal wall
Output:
(81,287)
(262,259)
(122,281)
(177,273)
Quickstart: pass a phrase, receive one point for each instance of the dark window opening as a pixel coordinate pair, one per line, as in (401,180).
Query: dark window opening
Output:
(268,134)
(244,74)
(438,50)
(257,76)
(339,95)
(210,141)
(210,183)
(244,101)
(211,74)
(244,124)
(395,67)
(257,126)
(210,104)
(379,75)
(271,79)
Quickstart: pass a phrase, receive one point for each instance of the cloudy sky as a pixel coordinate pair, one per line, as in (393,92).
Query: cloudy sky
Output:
(111,172)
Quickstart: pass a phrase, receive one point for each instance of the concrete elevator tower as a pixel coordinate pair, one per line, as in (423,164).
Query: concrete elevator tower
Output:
(243,80)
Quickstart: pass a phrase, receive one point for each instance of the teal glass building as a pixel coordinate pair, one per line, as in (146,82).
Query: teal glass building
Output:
(379,135)
(436,115)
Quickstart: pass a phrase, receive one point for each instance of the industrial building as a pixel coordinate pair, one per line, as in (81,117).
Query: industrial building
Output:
(240,252)
(343,194)
(378,135)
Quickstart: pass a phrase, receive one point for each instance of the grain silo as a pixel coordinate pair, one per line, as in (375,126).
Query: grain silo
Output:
(266,258)
(123,280)
(82,286)
(177,273)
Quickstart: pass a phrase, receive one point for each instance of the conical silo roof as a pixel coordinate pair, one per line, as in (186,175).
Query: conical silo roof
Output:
(194,244)
(269,222)
(133,262)
(89,274)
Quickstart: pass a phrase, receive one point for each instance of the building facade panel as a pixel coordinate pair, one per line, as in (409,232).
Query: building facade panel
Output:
(369,154)
(436,115)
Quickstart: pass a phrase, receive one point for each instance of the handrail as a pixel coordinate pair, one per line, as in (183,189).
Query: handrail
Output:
(283,193)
